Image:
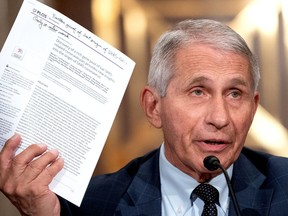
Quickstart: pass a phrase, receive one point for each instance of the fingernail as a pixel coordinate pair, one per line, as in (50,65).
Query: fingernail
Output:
(54,151)
(60,160)
(15,136)
(42,146)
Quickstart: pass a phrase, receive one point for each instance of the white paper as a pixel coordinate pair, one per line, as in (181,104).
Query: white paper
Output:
(60,85)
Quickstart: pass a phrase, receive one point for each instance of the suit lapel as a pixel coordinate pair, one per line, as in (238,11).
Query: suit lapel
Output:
(246,182)
(143,196)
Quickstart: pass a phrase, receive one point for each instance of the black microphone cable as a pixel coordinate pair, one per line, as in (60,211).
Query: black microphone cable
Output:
(212,163)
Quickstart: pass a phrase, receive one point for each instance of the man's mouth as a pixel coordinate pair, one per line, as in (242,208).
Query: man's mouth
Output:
(213,145)
(215,142)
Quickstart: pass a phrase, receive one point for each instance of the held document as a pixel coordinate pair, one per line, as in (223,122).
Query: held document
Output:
(60,85)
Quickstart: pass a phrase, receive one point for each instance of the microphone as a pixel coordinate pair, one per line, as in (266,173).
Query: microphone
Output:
(212,163)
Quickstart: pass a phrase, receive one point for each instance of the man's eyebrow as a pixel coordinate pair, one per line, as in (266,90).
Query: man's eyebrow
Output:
(198,79)
(239,81)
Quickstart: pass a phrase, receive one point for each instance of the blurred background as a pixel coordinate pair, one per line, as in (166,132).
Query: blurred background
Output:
(133,26)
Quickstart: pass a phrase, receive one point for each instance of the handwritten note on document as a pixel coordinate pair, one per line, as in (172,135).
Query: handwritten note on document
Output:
(60,85)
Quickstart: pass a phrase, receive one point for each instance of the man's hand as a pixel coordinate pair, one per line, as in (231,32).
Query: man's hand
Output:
(24,178)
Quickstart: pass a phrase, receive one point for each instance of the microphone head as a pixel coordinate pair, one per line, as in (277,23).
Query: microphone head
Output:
(211,162)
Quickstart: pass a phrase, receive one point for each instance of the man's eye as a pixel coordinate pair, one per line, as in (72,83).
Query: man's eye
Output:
(197,92)
(235,94)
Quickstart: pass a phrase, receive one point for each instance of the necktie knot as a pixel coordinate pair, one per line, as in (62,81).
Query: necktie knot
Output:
(210,196)
(207,193)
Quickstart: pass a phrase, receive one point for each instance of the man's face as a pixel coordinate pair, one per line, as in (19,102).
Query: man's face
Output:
(208,109)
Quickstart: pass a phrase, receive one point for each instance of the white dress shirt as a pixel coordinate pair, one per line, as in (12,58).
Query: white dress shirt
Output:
(176,188)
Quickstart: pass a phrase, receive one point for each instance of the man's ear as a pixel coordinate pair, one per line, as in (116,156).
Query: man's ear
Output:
(150,102)
(256,102)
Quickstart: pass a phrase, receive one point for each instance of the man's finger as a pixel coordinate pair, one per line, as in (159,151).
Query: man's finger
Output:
(38,165)
(8,151)
(52,170)
(29,154)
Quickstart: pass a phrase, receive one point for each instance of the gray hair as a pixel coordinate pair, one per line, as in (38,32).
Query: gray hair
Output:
(201,31)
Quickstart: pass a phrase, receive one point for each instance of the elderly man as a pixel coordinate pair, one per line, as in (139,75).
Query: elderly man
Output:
(202,93)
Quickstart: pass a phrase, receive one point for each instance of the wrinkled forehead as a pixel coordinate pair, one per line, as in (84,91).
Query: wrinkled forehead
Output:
(206,59)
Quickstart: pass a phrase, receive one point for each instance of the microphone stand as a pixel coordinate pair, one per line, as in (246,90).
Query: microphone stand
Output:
(234,200)
(212,163)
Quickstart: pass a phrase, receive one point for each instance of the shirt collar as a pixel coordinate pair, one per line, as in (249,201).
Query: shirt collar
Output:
(180,185)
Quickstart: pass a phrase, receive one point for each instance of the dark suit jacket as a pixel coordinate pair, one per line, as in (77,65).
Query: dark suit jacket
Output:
(260,182)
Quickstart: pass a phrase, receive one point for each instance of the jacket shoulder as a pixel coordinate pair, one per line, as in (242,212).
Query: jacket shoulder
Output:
(273,167)
(266,162)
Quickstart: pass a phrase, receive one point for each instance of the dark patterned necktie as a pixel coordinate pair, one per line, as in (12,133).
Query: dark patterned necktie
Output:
(210,196)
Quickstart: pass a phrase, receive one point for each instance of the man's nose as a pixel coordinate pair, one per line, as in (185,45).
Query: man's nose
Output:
(218,113)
